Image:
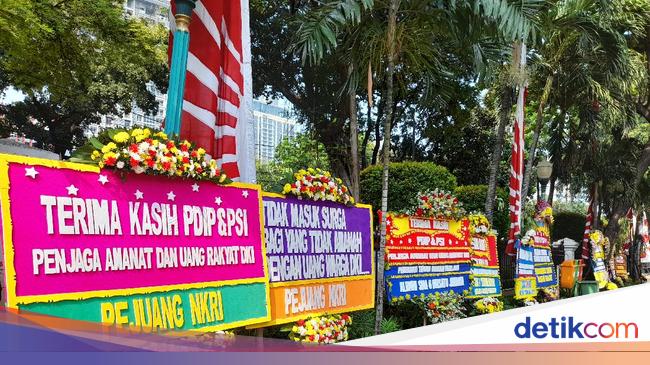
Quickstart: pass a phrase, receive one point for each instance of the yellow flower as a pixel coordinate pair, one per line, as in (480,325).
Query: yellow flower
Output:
(200,151)
(109,147)
(222,178)
(137,132)
(286,189)
(146,132)
(121,137)
(95,155)
(161,135)
(108,155)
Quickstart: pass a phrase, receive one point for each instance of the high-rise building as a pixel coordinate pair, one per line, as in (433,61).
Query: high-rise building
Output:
(272,123)
(156,12)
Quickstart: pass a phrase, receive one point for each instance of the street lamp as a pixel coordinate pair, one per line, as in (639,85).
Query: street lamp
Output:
(544,170)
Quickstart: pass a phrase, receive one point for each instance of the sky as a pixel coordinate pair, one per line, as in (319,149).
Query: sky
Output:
(11,95)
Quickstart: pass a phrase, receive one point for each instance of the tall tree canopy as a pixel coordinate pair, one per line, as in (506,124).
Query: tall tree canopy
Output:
(76,60)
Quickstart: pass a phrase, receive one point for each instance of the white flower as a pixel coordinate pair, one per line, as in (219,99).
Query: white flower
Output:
(135,156)
(143,147)
(120,164)
(138,169)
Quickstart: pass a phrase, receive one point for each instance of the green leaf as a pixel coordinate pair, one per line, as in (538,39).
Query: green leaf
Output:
(96,143)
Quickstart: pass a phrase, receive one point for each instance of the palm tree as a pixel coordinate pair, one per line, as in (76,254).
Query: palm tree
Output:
(320,26)
(574,34)
(412,50)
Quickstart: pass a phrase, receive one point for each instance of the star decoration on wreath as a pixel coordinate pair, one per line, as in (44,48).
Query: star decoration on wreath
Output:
(31,172)
(72,190)
(103,179)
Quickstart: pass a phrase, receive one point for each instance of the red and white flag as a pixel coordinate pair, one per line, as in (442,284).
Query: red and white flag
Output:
(217,105)
(517,165)
(586,245)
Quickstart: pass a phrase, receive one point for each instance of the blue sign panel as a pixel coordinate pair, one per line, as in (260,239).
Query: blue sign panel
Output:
(483,286)
(546,275)
(400,287)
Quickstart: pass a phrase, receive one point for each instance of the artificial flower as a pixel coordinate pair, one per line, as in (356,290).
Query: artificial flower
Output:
(488,305)
(143,152)
(318,185)
(325,329)
(437,204)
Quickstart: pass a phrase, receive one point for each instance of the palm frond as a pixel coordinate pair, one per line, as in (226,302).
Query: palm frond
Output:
(319,27)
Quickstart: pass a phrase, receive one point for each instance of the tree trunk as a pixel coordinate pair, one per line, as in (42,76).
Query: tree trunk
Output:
(538,130)
(551,189)
(619,209)
(506,102)
(375,150)
(354,141)
(390,69)
(366,137)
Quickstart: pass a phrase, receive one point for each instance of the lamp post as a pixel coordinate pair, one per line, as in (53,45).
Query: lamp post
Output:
(544,171)
(178,66)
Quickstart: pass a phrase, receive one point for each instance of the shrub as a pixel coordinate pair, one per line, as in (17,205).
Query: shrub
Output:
(363,324)
(568,224)
(405,180)
(473,199)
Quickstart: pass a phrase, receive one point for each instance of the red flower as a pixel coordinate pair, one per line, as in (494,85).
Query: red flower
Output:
(170,144)
(133,147)
(152,153)
(111,161)
(311,338)
(324,179)
(186,160)
(199,169)
(194,154)
(303,188)
(432,306)
(425,198)
(300,322)
(150,162)
(308,178)
(419,211)
(293,186)
(184,147)
(167,165)
(149,140)
(134,162)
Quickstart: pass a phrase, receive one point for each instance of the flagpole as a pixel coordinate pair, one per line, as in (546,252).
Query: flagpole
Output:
(178,66)
(515,200)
